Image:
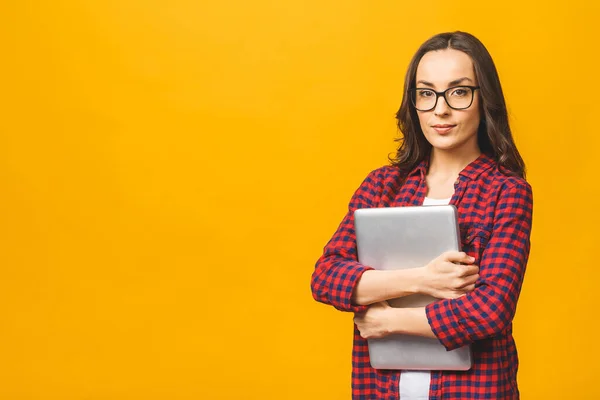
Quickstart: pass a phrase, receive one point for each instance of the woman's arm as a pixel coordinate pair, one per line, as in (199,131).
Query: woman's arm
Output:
(375,286)
(381,320)
(341,281)
(490,308)
(443,277)
(487,310)
(337,271)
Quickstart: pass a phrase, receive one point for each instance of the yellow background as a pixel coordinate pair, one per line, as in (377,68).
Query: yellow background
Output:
(170,171)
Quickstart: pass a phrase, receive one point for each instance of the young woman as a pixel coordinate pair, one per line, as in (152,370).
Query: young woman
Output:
(457,148)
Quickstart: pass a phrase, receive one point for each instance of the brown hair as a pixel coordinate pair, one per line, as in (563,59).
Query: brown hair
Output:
(493,135)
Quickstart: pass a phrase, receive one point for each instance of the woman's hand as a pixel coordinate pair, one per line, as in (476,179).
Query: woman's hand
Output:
(376,322)
(446,278)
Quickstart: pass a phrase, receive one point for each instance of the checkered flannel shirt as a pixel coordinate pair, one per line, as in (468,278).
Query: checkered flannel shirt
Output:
(495,214)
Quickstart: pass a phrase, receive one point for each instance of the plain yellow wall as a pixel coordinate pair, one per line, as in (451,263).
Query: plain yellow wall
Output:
(170,171)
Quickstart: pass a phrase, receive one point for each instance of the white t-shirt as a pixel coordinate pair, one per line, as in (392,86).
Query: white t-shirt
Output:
(414,385)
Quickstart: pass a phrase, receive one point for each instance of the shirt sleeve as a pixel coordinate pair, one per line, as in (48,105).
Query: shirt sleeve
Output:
(490,308)
(337,271)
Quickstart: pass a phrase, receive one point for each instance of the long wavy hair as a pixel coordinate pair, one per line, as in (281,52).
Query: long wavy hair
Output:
(493,135)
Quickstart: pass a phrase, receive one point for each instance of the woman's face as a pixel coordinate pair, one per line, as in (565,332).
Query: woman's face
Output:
(447,129)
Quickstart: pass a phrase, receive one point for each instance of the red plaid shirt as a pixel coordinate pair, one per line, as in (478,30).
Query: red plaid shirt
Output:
(495,213)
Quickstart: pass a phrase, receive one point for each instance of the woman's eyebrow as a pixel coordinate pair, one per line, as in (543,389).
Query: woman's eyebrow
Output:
(460,80)
(453,83)
(426,83)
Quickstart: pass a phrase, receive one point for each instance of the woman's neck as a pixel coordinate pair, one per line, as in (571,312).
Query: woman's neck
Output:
(451,163)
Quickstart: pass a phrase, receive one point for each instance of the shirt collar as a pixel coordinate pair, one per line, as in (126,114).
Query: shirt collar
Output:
(471,171)
(477,167)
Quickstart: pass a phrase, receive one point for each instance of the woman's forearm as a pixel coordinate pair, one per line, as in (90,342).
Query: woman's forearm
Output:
(375,286)
(411,321)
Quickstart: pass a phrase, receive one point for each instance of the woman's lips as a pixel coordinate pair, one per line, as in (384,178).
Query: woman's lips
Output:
(443,129)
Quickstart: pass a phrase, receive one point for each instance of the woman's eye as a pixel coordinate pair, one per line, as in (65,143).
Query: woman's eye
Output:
(425,93)
(460,92)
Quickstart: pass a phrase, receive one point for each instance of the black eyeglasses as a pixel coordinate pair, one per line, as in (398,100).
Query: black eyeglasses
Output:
(457,98)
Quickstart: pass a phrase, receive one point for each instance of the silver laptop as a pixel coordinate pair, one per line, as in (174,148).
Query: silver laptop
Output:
(409,237)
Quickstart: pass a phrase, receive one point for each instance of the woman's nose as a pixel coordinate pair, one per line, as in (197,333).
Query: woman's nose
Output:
(441,107)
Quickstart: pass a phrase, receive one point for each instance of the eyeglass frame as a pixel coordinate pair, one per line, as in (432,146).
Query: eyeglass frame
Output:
(413,92)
